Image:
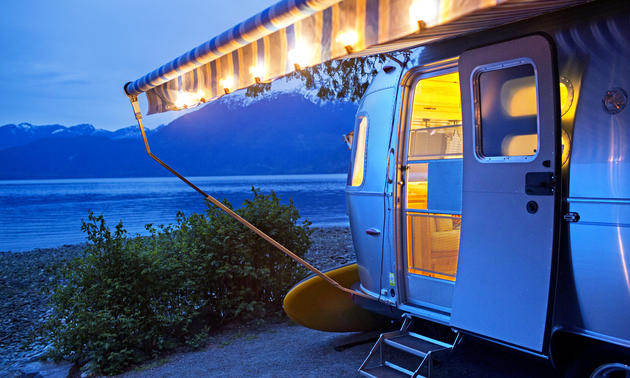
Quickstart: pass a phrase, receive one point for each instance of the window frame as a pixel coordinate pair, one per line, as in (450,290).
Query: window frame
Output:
(353,157)
(476,111)
(447,68)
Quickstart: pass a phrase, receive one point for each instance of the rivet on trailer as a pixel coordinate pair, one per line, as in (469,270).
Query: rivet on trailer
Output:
(489,181)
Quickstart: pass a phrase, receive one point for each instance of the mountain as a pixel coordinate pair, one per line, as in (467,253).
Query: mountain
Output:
(25,133)
(279,133)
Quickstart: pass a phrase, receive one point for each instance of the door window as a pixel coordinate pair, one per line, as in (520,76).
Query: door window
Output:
(507,124)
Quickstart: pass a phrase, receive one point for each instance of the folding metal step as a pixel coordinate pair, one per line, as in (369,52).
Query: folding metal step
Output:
(410,343)
(416,344)
(385,371)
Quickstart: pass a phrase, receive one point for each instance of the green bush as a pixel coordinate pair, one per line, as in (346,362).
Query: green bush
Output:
(129,299)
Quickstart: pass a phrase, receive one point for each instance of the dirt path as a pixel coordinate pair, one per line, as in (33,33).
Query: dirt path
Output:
(281,350)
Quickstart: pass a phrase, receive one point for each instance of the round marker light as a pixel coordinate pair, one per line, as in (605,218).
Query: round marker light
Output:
(615,100)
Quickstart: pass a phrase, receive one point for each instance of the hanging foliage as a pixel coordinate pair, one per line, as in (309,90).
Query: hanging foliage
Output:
(345,79)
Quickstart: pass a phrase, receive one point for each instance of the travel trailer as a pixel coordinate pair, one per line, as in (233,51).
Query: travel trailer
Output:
(489,182)
(491,169)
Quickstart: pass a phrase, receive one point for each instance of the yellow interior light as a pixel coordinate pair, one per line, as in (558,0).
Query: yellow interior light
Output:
(519,145)
(566,95)
(359,156)
(423,10)
(563,95)
(518,97)
(438,98)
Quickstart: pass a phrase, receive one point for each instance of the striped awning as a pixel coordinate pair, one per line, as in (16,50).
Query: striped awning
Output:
(303,33)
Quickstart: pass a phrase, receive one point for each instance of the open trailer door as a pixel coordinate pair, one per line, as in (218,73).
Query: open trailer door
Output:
(510,202)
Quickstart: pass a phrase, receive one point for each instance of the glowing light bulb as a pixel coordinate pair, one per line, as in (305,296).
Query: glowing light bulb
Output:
(258,72)
(300,56)
(183,99)
(348,38)
(227,84)
(189,99)
(423,11)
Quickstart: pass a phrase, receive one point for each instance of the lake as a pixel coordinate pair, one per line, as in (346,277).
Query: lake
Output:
(48,213)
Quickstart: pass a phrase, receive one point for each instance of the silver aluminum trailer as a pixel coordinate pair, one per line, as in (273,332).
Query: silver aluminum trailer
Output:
(489,187)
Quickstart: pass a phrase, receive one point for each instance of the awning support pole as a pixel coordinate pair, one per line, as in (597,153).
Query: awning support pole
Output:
(138,114)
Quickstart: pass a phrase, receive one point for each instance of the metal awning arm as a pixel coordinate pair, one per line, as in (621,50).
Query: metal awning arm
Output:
(138,114)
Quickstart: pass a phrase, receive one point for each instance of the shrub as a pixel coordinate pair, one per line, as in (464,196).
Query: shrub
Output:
(129,299)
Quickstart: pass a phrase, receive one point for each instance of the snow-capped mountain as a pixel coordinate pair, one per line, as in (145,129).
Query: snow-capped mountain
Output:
(19,135)
(240,99)
(281,132)
(24,133)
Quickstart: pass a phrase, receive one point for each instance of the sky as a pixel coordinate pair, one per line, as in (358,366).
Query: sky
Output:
(66,62)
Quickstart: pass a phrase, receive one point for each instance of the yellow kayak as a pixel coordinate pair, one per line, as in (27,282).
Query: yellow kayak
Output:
(316,304)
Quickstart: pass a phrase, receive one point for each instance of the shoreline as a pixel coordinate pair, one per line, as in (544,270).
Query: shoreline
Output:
(130,234)
(23,275)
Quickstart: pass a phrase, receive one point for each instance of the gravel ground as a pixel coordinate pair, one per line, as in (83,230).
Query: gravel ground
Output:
(275,348)
(285,350)
(23,275)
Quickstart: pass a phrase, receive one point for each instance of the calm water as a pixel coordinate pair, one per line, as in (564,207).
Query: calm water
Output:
(48,213)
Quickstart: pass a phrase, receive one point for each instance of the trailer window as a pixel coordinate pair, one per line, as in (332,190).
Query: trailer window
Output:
(507,111)
(357,163)
(433,245)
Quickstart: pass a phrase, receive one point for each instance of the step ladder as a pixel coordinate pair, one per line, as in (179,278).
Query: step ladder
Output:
(412,344)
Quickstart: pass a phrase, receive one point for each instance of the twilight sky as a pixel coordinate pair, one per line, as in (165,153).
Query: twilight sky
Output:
(66,62)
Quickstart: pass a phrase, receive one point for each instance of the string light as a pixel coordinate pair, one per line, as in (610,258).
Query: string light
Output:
(258,72)
(348,39)
(187,100)
(299,56)
(421,11)
(227,84)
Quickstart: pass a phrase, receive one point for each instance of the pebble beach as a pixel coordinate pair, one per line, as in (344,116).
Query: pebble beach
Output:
(23,276)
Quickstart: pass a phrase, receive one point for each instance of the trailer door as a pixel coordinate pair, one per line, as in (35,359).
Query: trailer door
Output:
(510,112)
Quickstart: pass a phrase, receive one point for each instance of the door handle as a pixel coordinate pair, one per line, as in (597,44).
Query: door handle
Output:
(389,156)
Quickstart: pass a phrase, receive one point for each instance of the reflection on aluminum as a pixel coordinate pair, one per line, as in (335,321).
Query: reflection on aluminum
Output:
(623,258)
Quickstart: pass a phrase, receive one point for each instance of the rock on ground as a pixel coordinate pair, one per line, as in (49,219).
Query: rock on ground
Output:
(331,247)
(23,276)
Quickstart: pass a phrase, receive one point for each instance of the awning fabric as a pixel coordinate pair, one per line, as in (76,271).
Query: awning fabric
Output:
(313,28)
